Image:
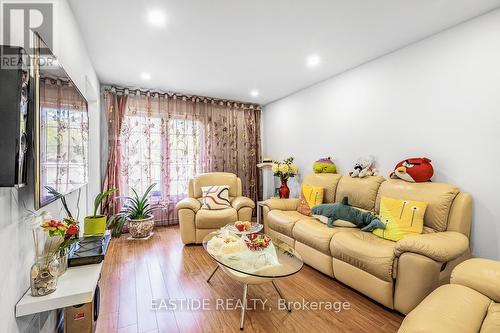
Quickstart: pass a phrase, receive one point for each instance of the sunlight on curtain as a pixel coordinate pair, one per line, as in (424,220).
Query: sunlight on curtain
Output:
(169,139)
(63,137)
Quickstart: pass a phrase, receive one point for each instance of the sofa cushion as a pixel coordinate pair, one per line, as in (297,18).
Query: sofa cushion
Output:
(365,251)
(328,181)
(316,234)
(479,274)
(362,192)
(310,196)
(451,308)
(402,218)
(283,221)
(336,223)
(215,178)
(438,196)
(215,197)
(491,323)
(213,219)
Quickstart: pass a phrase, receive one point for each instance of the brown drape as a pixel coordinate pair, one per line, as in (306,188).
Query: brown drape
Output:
(115,109)
(196,134)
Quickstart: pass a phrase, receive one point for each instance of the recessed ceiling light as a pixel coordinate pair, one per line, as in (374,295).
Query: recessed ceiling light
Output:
(313,60)
(254,93)
(157,18)
(145,76)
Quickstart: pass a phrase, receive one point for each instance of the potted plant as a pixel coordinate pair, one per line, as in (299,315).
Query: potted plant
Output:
(137,212)
(284,169)
(60,196)
(96,224)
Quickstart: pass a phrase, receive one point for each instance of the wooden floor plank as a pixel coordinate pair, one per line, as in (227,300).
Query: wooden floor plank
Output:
(146,318)
(127,309)
(135,272)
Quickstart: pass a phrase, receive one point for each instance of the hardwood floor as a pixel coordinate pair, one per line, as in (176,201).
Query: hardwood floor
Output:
(136,272)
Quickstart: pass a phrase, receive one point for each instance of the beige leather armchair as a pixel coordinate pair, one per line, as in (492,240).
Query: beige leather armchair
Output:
(195,222)
(471,303)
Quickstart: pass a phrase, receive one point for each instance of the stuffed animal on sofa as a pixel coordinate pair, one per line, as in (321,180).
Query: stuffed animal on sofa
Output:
(365,166)
(343,211)
(324,165)
(415,170)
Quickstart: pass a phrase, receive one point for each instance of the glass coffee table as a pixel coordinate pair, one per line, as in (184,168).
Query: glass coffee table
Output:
(277,260)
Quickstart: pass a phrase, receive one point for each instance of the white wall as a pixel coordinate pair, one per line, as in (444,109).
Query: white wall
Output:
(16,245)
(439,98)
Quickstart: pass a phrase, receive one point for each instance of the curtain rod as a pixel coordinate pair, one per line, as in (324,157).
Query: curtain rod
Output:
(145,92)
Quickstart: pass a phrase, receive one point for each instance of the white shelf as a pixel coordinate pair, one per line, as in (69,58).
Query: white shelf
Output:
(76,286)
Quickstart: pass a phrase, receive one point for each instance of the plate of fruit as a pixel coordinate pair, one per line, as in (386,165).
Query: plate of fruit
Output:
(244,227)
(257,242)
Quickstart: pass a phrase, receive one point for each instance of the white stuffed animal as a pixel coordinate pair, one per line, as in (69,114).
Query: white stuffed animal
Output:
(365,166)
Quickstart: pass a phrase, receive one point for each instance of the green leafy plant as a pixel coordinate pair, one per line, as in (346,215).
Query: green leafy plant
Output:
(99,198)
(135,208)
(52,191)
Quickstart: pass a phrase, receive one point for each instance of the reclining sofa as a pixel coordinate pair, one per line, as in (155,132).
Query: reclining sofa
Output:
(399,275)
(471,303)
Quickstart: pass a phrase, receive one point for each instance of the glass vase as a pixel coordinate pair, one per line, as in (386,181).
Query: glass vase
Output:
(63,261)
(44,274)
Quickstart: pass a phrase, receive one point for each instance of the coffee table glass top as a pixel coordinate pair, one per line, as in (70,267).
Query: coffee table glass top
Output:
(276,260)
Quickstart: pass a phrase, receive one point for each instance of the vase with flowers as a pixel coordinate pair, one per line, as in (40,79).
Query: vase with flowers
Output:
(49,263)
(284,170)
(72,229)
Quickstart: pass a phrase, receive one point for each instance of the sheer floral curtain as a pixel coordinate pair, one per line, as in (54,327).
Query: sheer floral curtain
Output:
(167,139)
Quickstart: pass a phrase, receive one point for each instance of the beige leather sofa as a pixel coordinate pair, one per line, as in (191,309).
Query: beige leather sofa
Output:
(396,274)
(471,303)
(195,222)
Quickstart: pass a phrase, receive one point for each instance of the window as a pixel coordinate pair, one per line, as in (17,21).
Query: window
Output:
(141,158)
(149,156)
(184,154)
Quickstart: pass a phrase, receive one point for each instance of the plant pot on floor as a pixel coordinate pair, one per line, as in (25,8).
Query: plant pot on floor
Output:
(94,225)
(141,228)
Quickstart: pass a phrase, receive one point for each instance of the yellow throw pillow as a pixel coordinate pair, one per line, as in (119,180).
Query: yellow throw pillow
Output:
(402,218)
(309,197)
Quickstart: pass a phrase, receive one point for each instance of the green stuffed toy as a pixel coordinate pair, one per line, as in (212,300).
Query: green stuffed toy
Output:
(343,211)
(324,165)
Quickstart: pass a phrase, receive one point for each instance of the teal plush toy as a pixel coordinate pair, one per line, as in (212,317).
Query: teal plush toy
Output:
(343,211)
(324,165)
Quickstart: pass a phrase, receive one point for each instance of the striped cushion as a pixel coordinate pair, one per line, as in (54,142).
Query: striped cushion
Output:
(215,197)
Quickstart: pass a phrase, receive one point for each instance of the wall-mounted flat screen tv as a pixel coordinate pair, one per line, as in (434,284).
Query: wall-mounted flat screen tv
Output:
(61,131)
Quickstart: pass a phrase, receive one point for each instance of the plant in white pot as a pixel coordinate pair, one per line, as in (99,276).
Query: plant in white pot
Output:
(96,224)
(137,212)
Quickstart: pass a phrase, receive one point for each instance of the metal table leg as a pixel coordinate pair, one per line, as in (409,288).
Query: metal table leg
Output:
(242,317)
(281,296)
(215,270)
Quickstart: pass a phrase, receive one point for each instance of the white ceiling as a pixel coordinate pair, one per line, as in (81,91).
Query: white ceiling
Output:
(226,48)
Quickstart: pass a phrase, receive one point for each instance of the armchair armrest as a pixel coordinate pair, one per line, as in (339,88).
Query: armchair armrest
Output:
(482,275)
(241,202)
(282,204)
(189,203)
(439,246)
